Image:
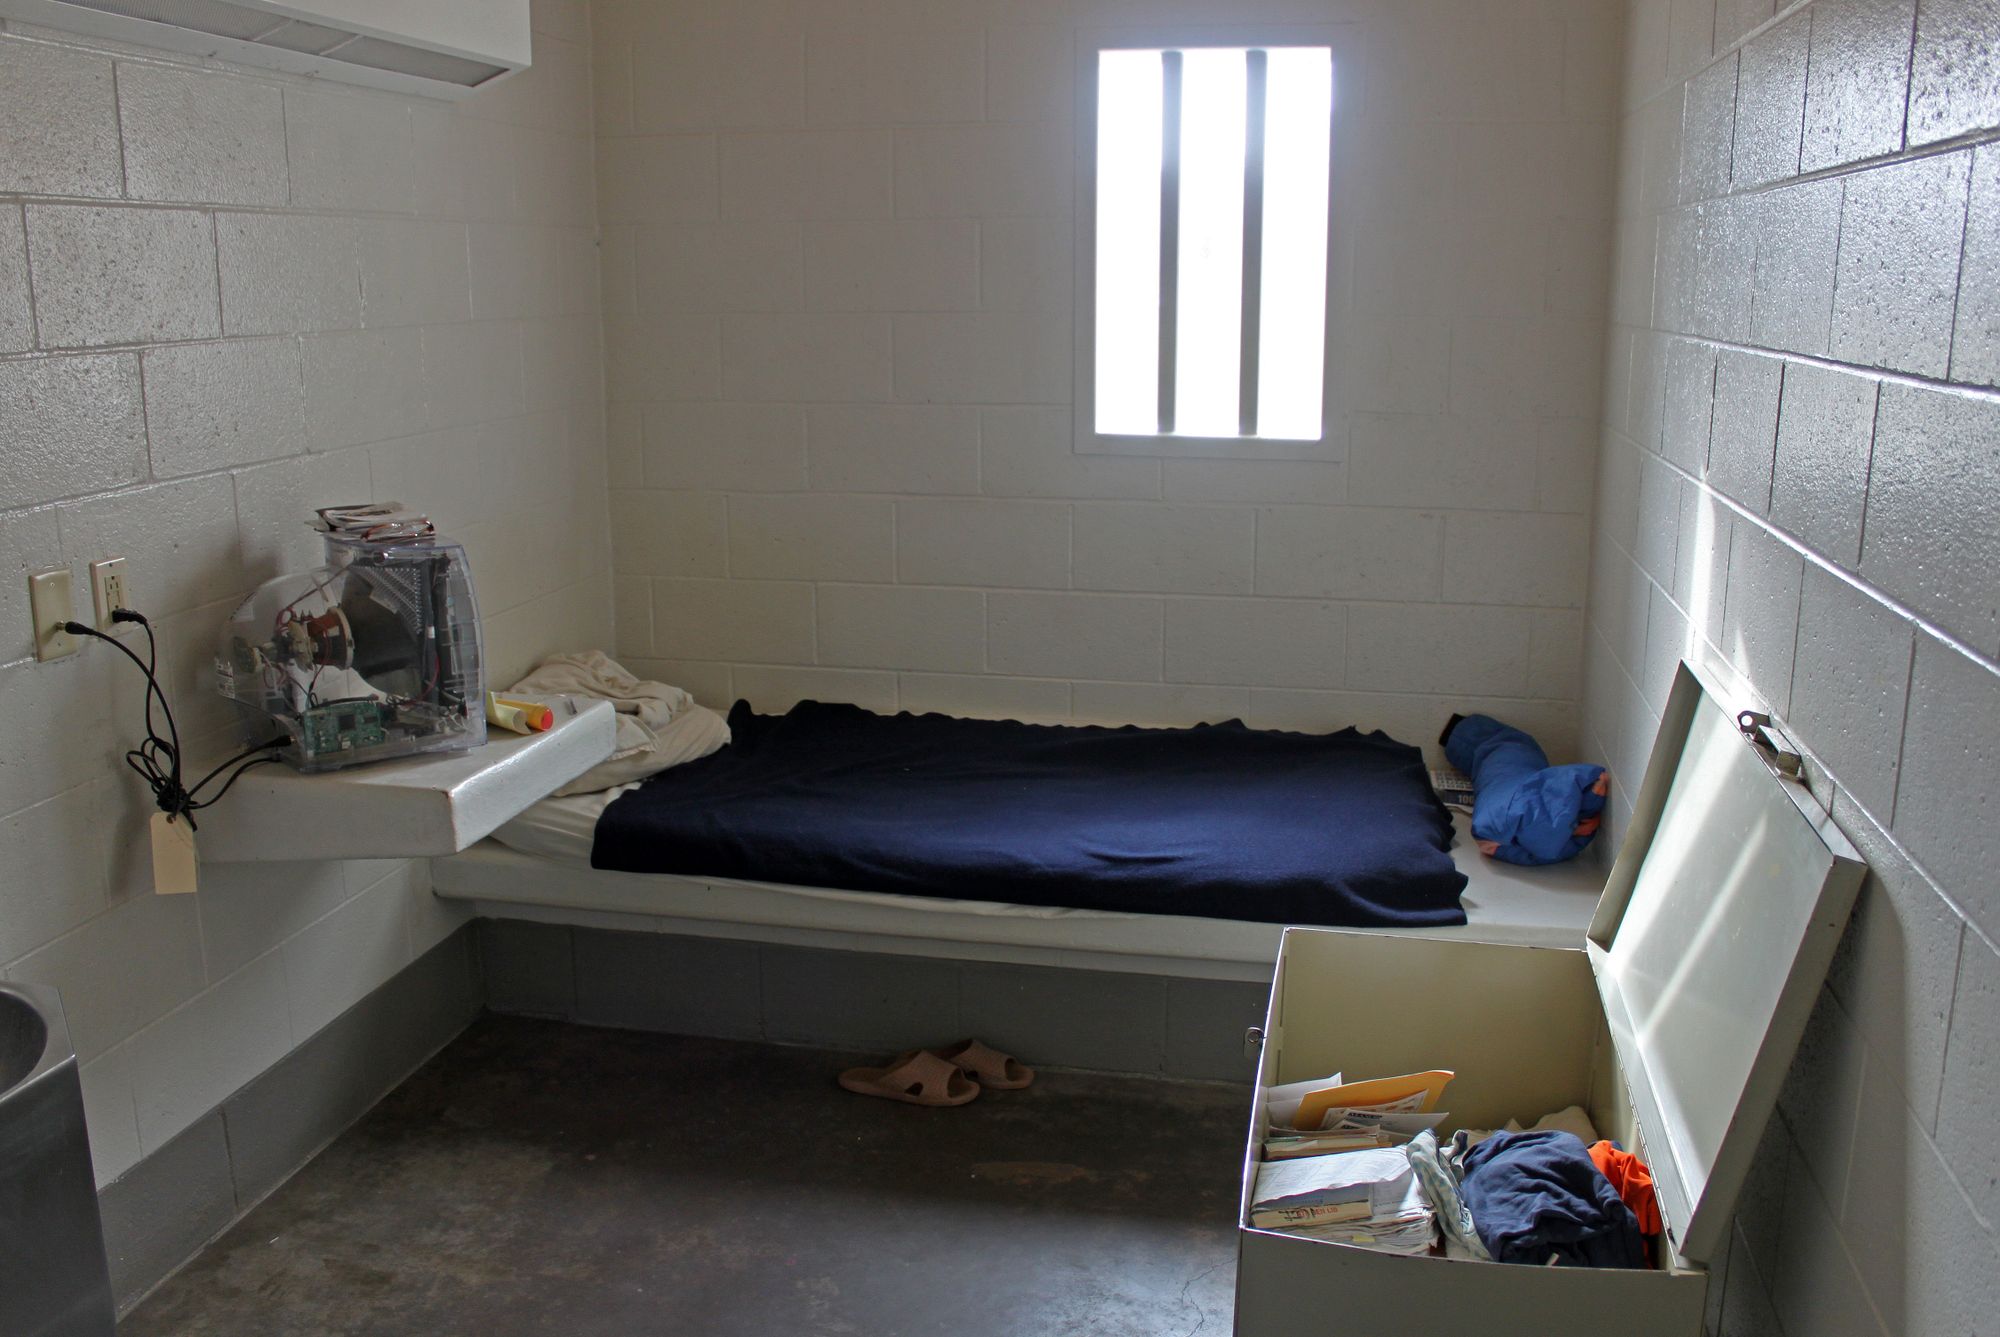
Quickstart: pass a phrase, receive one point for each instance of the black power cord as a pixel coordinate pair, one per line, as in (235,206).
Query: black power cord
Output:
(157,760)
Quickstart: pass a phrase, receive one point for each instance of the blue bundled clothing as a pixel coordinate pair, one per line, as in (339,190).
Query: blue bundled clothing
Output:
(1538,1195)
(1526,809)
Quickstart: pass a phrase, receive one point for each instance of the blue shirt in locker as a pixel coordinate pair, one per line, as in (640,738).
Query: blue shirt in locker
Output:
(1538,1195)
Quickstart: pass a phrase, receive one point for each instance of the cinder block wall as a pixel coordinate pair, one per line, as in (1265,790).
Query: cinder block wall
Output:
(838,250)
(1799,486)
(226,298)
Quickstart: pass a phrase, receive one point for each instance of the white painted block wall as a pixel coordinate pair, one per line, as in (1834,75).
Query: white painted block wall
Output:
(836,251)
(1799,485)
(838,248)
(226,298)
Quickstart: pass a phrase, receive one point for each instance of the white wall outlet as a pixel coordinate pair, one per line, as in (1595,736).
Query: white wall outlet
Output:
(108,589)
(51,605)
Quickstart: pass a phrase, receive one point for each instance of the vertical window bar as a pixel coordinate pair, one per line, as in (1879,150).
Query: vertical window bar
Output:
(1253,235)
(1170,228)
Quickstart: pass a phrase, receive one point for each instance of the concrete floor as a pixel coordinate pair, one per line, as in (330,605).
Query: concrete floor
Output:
(544,1178)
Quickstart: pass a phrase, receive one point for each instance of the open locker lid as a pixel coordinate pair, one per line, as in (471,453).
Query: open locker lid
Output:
(1711,942)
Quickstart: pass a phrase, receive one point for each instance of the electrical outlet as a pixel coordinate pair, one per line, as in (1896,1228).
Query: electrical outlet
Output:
(108,589)
(51,605)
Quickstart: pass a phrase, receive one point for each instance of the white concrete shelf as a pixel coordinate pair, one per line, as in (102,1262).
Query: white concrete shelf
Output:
(411,808)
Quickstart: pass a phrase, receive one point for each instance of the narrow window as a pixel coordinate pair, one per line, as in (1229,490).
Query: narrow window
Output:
(1211,194)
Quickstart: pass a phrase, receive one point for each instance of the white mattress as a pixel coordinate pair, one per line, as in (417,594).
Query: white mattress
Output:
(541,870)
(560,829)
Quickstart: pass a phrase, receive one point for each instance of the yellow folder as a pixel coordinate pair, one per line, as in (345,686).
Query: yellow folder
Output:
(1415,1093)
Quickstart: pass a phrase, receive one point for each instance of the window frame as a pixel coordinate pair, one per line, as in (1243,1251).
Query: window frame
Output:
(1330,445)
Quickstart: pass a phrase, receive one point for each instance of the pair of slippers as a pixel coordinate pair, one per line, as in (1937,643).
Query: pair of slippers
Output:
(940,1077)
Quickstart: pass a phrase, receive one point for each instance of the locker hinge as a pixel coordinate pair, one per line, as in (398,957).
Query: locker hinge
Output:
(1776,749)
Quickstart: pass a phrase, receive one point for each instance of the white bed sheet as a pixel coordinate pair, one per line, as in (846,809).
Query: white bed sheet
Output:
(541,869)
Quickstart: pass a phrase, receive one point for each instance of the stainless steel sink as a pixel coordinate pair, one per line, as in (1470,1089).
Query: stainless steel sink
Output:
(53,1281)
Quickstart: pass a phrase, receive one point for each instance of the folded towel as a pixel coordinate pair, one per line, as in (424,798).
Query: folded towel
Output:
(1440,1185)
(658,726)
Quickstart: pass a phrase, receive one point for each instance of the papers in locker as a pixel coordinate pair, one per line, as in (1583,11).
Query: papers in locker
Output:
(1375,1179)
(1368,1198)
(1411,1237)
(1352,1133)
(1329,1106)
(1403,1106)
(1287,1146)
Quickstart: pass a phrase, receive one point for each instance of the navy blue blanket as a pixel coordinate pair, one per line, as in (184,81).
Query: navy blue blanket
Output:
(1218,820)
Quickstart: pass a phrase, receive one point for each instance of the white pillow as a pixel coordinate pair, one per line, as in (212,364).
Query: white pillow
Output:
(658,725)
(690,735)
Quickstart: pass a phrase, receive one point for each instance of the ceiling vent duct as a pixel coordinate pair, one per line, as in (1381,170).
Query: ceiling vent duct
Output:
(433,48)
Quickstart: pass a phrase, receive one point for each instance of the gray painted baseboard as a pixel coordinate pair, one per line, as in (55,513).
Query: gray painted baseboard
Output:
(165,1208)
(1101,1020)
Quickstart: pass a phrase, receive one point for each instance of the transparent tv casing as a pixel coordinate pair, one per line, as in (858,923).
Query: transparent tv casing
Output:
(376,654)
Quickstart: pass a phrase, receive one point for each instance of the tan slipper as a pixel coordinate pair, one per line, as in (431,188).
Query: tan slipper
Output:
(987,1066)
(916,1078)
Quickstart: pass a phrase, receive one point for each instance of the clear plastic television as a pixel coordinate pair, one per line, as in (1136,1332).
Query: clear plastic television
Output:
(376,654)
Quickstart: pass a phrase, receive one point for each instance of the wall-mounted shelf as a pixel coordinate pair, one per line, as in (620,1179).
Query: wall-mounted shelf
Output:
(412,808)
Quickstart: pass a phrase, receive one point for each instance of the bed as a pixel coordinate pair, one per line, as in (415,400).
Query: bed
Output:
(847,766)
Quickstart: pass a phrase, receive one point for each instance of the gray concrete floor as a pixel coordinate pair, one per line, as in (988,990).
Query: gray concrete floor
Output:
(549,1179)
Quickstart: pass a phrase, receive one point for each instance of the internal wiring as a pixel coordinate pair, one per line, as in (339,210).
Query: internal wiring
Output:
(278,622)
(157,760)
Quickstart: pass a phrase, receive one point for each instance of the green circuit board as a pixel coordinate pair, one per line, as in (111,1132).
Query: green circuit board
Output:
(343,726)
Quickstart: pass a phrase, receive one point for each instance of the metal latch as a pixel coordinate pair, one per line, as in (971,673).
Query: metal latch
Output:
(1772,746)
(1253,1042)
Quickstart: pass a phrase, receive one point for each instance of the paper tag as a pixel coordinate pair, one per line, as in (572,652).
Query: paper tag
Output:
(175,865)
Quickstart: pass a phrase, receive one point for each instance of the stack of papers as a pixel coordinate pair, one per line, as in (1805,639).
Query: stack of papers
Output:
(1414,1236)
(1365,1198)
(1329,1106)
(1329,1114)
(1335,1166)
(1290,1146)
(374,522)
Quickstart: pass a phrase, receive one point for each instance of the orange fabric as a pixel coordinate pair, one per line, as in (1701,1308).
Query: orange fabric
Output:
(1634,1182)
